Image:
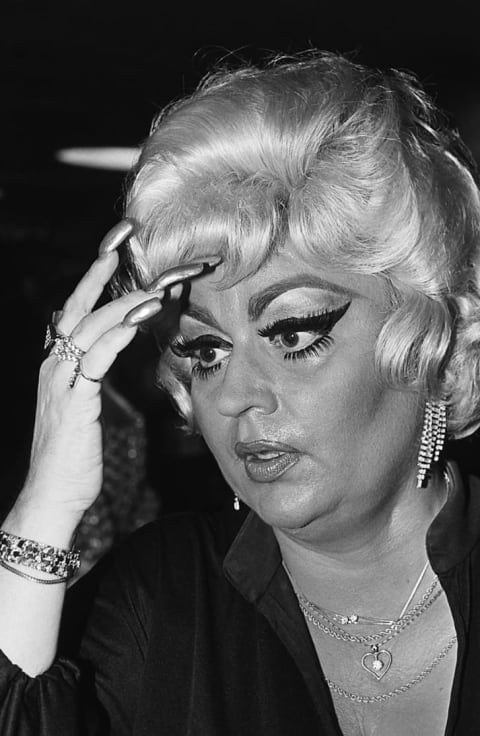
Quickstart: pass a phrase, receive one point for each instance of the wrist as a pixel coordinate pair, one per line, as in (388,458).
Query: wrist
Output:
(42,524)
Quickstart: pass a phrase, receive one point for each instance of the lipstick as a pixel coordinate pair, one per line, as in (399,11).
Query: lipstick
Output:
(265,461)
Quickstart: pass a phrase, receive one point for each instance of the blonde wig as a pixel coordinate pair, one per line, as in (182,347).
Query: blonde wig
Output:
(347,166)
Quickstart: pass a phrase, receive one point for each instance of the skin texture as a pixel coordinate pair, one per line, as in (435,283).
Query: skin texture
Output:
(356,437)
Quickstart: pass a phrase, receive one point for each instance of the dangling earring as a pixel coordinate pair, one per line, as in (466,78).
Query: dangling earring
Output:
(432,439)
(236,503)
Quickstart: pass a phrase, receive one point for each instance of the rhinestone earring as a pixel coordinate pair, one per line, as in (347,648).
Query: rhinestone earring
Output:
(236,503)
(432,439)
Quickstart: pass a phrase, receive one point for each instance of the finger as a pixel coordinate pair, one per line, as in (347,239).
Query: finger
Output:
(91,286)
(93,325)
(142,312)
(100,357)
(180,273)
(87,292)
(116,236)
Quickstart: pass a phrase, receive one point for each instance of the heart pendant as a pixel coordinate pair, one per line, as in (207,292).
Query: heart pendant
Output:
(377,662)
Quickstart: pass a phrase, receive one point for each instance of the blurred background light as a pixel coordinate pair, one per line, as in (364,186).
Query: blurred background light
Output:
(112,158)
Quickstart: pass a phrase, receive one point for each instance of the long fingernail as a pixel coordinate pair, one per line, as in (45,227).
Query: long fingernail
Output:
(115,236)
(212,260)
(180,273)
(142,312)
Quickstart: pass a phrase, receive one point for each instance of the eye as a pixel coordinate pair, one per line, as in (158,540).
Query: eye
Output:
(291,339)
(303,337)
(206,353)
(207,360)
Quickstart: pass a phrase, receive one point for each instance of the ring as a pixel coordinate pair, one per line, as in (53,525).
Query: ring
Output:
(53,332)
(65,349)
(78,373)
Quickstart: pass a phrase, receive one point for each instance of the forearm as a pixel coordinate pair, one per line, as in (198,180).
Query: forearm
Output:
(30,612)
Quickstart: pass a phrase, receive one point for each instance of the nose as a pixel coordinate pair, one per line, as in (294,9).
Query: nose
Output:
(246,386)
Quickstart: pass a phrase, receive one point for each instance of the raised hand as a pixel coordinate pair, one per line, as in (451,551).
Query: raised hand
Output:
(65,474)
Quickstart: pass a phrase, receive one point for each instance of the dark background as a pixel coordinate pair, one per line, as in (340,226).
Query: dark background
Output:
(84,73)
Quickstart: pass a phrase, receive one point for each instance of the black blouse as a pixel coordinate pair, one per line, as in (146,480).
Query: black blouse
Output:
(192,628)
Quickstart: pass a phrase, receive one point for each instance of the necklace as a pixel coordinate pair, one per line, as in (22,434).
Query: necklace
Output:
(354,618)
(382,697)
(378,661)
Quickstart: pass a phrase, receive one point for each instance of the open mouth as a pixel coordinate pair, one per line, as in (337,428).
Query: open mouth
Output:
(266,461)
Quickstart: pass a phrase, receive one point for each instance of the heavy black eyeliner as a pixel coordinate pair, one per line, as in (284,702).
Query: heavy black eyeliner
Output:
(323,321)
(183,348)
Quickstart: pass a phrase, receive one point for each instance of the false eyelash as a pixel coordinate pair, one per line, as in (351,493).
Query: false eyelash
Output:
(323,342)
(320,322)
(200,372)
(183,348)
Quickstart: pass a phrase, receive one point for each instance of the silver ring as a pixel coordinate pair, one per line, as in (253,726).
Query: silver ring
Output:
(65,349)
(78,373)
(89,378)
(53,332)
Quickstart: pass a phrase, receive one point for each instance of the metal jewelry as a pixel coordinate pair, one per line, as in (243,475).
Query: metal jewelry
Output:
(382,697)
(65,349)
(43,557)
(52,334)
(52,330)
(432,439)
(78,372)
(378,660)
(341,619)
(236,502)
(32,578)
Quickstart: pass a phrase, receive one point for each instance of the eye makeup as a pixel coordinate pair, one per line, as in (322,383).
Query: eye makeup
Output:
(320,322)
(298,338)
(183,348)
(305,337)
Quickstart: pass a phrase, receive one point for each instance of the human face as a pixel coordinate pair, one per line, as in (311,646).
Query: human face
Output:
(285,359)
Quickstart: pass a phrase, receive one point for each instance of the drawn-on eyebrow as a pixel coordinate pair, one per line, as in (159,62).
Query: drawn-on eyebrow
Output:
(259,302)
(201,314)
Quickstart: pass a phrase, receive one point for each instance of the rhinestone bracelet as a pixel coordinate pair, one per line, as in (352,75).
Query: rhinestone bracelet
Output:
(44,557)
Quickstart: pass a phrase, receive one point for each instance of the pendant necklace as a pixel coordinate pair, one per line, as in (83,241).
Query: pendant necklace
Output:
(378,661)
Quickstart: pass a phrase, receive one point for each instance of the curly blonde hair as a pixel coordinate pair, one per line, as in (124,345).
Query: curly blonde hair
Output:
(352,167)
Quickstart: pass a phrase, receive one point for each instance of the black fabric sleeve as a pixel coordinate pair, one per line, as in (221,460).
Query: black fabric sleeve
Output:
(93,686)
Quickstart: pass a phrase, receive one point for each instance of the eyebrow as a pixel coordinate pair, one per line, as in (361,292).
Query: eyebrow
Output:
(258,303)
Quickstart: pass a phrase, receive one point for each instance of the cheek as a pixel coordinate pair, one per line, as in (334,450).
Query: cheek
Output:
(208,421)
(339,400)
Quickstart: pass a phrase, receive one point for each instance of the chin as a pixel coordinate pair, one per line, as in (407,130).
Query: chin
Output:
(284,506)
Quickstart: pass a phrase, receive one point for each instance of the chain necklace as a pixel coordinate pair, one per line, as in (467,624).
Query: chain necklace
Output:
(316,616)
(336,619)
(382,697)
(378,660)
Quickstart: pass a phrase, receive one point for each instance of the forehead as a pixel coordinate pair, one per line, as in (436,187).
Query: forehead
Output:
(284,279)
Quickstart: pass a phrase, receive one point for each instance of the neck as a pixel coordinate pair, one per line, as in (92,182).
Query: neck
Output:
(370,566)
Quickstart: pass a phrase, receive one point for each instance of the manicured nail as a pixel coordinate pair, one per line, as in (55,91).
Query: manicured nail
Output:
(142,312)
(176,291)
(180,273)
(115,236)
(212,260)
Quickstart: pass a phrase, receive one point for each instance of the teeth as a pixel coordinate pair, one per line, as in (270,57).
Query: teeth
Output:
(268,455)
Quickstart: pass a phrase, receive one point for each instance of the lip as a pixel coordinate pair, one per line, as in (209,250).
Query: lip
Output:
(266,469)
